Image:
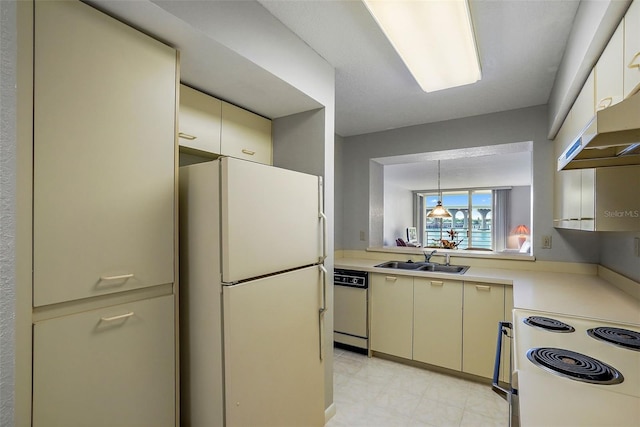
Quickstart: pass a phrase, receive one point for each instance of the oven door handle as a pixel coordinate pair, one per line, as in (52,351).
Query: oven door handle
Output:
(504,393)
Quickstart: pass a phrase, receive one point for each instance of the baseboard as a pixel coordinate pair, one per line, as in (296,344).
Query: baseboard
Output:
(329,412)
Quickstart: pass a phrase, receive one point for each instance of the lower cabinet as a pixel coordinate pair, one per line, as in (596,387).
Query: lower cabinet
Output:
(447,323)
(112,366)
(483,309)
(392,314)
(437,322)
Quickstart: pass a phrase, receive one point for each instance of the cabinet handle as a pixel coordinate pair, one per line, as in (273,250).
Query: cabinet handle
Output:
(186,136)
(636,64)
(604,103)
(248,152)
(390,278)
(483,288)
(121,316)
(437,283)
(121,277)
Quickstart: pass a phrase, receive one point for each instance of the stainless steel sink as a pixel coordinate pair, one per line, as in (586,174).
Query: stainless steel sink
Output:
(401,265)
(454,269)
(424,266)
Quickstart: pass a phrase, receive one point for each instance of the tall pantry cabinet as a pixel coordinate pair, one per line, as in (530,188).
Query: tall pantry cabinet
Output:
(104,214)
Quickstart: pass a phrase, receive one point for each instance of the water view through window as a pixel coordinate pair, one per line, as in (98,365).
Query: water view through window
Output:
(470,225)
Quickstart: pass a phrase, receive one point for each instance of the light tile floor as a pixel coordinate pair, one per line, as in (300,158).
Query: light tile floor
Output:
(375,392)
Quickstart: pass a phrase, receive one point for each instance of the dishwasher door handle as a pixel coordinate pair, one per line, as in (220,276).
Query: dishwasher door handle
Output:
(495,386)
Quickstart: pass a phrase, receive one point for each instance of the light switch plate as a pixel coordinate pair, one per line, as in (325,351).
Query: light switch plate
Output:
(546,242)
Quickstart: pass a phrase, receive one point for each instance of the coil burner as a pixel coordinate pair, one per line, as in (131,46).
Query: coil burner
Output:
(575,366)
(617,336)
(548,324)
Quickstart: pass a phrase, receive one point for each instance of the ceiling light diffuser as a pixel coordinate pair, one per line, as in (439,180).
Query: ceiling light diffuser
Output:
(434,38)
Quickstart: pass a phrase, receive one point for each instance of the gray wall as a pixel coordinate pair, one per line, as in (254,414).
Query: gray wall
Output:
(339,201)
(617,253)
(528,124)
(8,162)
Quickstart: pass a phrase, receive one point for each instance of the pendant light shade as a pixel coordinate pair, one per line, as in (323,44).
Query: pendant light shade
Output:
(439,211)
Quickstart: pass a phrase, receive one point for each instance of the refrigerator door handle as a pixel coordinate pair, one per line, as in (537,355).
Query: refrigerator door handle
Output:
(323,218)
(323,309)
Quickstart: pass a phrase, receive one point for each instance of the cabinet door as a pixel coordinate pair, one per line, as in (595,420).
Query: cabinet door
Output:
(245,135)
(109,367)
(569,199)
(632,49)
(437,322)
(483,309)
(392,314)
(583,108)
(104,154)
(609,72)
(199,124)
(587,199)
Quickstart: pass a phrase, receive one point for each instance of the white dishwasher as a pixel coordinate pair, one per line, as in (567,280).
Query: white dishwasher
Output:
(351,314)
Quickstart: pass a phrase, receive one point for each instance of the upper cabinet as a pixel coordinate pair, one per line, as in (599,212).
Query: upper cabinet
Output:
(199,120)
(104,155)
(245,135)
(584,107)
(212,127)
(632,49)
(609,71)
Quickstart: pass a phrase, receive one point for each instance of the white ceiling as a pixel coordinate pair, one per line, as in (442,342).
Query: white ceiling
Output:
(521,43)
(492,166)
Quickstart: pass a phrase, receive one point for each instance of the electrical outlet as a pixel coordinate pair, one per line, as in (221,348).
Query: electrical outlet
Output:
(546,242)
(362,236)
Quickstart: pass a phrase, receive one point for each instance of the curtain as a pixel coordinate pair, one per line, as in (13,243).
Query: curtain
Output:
(501,204)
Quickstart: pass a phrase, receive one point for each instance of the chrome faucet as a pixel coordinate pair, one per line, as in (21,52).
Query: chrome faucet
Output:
(427,257)
(447,259)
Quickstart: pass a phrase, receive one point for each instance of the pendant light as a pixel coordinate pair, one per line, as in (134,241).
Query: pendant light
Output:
(439,211)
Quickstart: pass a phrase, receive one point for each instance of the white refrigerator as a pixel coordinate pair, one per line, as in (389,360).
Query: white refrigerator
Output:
(252,295)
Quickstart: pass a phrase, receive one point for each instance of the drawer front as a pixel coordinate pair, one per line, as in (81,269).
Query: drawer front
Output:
(109,367)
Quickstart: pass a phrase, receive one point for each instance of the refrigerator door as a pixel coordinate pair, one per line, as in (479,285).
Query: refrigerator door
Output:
(274,375)
(270,220)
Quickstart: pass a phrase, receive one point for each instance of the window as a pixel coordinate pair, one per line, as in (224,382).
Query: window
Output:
(471,225)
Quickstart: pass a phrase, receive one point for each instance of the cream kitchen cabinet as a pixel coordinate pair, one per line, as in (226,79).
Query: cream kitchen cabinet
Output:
(583,108)
(609,72)
(112,366)
(483,308)
(392,314)
(199,121)
(245,135)
(104,155)
(437,322)
(632,49)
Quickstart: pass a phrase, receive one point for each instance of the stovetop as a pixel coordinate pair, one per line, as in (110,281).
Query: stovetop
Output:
(547,398)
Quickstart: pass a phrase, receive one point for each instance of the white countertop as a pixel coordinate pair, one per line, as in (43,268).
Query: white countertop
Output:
(581,295)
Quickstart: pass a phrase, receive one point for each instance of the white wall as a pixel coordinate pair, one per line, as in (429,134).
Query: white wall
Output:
(529,124)
(398,213)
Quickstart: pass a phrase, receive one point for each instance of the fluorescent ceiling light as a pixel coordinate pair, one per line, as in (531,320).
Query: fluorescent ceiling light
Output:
(434,38)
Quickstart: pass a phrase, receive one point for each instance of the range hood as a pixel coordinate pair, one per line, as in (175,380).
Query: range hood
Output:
(611,138)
